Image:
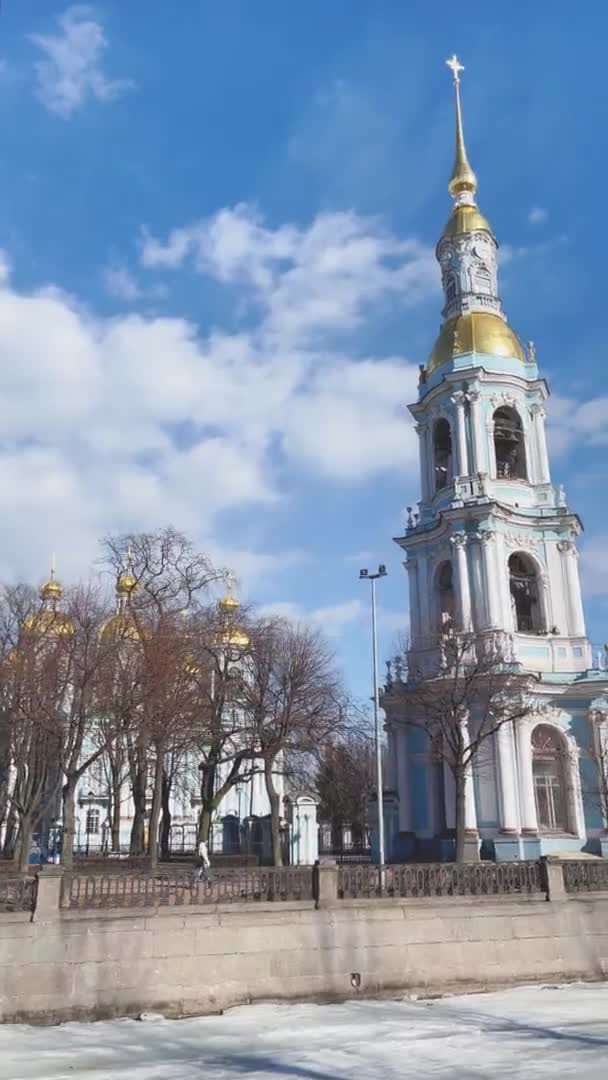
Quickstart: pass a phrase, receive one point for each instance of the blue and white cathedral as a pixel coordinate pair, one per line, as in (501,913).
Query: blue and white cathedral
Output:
(493,550)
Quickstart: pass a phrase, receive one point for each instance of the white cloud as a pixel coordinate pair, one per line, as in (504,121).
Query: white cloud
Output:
(333,619)
(574,422)
(71,72)
(121,284)
(594,565)
(538,215)
(134,421)
(307,281)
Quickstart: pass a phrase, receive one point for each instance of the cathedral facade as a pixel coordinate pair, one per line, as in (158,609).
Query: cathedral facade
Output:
(492,550)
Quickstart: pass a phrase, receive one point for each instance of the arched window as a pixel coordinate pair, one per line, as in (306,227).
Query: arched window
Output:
(442,453)
(92,822)
(509,445)
(445,595)
(450,292)
(549,781)
(525,597)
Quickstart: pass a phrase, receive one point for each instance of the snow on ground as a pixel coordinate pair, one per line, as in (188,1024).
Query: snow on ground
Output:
(528,1032)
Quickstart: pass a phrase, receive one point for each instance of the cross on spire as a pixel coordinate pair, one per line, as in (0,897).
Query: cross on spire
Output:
(455,67)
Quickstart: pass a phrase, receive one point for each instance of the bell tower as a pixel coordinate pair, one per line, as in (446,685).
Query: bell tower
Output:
(492,552)
(493,545)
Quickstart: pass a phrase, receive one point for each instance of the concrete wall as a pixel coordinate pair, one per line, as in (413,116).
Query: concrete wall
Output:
(73,965)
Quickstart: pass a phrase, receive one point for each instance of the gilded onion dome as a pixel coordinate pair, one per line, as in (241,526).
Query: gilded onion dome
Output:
(50,619)
(474,322)
(122,624)
(233,634)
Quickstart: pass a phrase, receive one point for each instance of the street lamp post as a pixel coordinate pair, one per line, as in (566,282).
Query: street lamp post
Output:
(364,575)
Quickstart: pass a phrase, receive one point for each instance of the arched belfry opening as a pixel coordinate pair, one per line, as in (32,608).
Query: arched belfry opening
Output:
(509,445)
(442,453)
(445,595)
(525,594)
(549,771)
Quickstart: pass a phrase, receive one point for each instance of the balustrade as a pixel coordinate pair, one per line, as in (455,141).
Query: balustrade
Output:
(98,891)
(439,879)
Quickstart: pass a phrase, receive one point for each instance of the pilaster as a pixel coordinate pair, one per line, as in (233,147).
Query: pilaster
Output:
(459,545)
(479,456)
(529,819)
(509,820)
(576,615)
(458,400)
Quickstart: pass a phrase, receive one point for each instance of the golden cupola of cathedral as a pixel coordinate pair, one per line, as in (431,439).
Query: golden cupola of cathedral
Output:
(50,619)
(473,319)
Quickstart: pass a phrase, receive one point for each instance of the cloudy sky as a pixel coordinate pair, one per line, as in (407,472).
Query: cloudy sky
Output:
(217,280)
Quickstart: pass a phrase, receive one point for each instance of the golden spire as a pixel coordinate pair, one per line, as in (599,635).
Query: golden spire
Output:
(463,178)
(229,601)
(126,582)
(52,589)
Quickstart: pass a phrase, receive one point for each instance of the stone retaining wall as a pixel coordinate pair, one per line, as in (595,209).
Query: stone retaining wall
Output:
(90,964)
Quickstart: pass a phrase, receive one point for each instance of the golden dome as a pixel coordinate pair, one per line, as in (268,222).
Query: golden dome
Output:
(120,626)
(466,219)
(479,332)
(236,637)
(126,584)
(51,622)
(52,589)
(232,635)
(229,602)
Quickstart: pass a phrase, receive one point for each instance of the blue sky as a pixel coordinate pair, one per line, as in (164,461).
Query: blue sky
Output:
(217,224)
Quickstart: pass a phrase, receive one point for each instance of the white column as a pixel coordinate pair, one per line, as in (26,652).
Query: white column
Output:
(412,569)
(459,542)
(461,434)
(423,451)
(506,774)
(576,810)
(405,800)
(491,447)
(479,456)
(478,586)
(470,811)
(540,441)
(424,597)
(490,576)
(576,615)
(523,739)
(449,788)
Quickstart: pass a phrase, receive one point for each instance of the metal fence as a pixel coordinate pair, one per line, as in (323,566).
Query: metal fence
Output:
(439,879)
(99,891)
(585,876)
(17,894)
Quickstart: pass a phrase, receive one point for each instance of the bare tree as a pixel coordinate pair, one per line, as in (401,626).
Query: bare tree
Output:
(35,684)
(293,698)
(475,690)
(345,781)
(163,578)
(222,735)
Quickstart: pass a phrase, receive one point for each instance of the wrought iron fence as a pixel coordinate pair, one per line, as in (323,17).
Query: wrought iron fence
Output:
(585,876)
(103,891)
(439,879)
(17,894)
